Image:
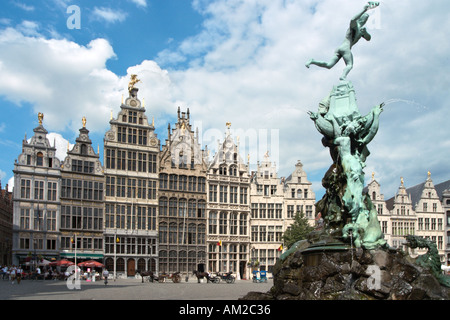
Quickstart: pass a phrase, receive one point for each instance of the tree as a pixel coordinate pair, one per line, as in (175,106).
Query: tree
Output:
(299,230)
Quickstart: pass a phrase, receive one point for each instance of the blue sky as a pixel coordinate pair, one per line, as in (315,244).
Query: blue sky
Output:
(238,61)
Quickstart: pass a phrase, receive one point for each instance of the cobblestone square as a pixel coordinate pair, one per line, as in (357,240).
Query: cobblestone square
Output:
(129,289)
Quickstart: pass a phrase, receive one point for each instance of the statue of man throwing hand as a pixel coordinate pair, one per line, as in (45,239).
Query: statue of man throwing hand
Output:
(355,32)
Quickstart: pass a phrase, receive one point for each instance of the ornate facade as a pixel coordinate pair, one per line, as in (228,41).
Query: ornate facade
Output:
(182,200)
(82,201)
(228,210)
(274,203)
(6,219)
(37,176)
(131,150)
(419,210)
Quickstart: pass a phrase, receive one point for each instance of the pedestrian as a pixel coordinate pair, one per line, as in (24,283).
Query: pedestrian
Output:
(19,272)
(13,274)
(105,276)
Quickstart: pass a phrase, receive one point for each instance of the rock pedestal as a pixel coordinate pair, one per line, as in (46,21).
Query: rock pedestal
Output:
(355,274)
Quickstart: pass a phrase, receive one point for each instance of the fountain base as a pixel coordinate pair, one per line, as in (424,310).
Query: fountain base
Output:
(338,272)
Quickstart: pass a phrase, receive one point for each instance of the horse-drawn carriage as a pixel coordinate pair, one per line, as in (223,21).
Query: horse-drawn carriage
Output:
(227,277)
(151,277)
(176,277)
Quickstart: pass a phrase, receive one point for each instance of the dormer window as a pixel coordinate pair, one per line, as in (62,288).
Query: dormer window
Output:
(39,159)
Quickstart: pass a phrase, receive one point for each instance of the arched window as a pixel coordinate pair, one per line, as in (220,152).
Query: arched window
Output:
(163,233)
(173,207)
(163,206)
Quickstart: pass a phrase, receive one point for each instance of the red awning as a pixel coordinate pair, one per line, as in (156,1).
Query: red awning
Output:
(61,263)
(91,264)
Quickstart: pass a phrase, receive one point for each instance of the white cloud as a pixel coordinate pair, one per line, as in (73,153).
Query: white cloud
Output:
(109,15)
(60,143)
(24,6)
(246,66)
(140,3)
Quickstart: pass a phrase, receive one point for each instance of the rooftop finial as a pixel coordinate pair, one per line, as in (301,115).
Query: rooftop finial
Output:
(40,118)
(133,81)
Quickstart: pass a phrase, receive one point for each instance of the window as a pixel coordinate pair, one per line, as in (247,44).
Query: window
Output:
(120,217)
(76,218)
(278,210)
(120,190)
(243,224)
(163,206)
(132,136)
(233,194)
(122,134)
(173,182)
(110,159)
(38,190)
(201,184)
(271,211)
(223,223)
(132,157)
(213,222)
(25,188)
(262,234)
(142,162)
(262,211)
(121,160)
(192,208)
(243,195)
(290,211)
(182,183)
(141,215)
(51,220)
(77,165)
(51,191)
(173,207)
(254,211)
(25,219)
(234,223)
(223,194)
(151,218)
(152,163)
(142,137)
(213,193)
(151,189)
(201,209)
(163,180)
(83,149)
(39,159)
(132,117)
